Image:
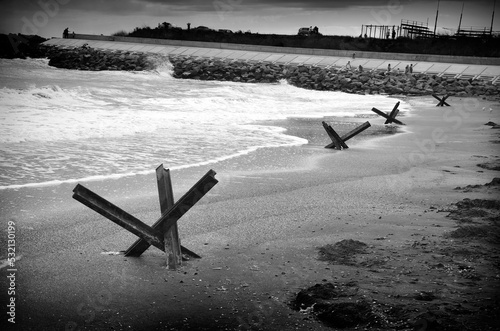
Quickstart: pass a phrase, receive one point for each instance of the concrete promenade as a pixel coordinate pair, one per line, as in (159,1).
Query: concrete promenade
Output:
(294,56)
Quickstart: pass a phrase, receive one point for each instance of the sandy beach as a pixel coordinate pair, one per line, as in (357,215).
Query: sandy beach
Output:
(259,230)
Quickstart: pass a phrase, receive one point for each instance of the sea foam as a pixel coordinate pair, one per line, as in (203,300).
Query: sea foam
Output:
(81,125)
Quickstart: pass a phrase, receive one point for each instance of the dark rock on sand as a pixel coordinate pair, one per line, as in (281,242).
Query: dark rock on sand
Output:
(342,252)
(333,305)
(490,165)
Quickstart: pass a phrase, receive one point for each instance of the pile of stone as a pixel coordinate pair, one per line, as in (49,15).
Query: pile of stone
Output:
(304,76)
(87,58)
(329,79)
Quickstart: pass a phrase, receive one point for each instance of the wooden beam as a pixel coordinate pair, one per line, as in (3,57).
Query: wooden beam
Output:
(189,253)
(165,206)
(387,116)
(393,113)
(119,216)
(169,218)
(442,101)
(171,237)
(356,131)
(335,143)
(336,140)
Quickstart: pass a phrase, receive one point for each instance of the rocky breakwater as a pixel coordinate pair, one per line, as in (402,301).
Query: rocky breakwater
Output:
(330,79)
(87,58)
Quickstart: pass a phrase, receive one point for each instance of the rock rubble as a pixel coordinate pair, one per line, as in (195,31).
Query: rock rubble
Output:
(87,58)
(330,79)
(304,76)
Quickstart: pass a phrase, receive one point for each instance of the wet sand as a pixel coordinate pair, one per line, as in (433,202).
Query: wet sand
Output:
(258,232)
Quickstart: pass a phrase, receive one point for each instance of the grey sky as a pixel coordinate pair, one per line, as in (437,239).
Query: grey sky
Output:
(49,17)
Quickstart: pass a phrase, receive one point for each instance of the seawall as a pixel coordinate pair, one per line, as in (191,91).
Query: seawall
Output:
(251,53)
(304,51)
(305,71)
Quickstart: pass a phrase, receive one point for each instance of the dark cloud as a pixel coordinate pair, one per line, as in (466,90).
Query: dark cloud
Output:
(313,4)
(161,7)
(203,5)
(101,6)
(93,15)
(115,7)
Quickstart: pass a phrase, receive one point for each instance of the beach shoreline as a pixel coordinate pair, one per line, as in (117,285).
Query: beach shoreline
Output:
(259,228)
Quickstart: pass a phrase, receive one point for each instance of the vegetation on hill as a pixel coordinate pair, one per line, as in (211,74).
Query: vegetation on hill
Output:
(442,45)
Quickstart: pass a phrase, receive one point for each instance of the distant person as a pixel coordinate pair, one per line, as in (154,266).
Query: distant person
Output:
(360,68)
(73,35)
(389,67)
(411,68)
(407,69)
(393,33)
(387,34)
(366,36)
(348,65)
(316,30)
(66,33)
(353,56)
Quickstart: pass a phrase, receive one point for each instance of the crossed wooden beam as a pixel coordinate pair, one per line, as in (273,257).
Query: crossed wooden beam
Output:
(442,101)
(339,142)
(163,234)
(390,117)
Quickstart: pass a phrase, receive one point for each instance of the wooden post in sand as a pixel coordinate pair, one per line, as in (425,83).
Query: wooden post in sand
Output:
(393,113)
(339,142)
(163,232)
(356,131)
(171,237)
(442,101)
(169,218)
(389,117)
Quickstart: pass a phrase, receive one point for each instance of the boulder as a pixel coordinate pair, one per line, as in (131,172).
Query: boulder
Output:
(345,81)
(364,78)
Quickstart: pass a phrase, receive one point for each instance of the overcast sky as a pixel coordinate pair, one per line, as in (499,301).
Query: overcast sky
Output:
(48,18)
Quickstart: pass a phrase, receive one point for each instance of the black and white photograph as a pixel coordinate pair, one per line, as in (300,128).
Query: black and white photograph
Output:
(250,165)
